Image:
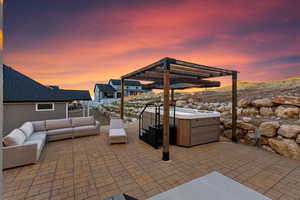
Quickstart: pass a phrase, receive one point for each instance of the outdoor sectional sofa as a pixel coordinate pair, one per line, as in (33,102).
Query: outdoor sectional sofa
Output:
(24,145)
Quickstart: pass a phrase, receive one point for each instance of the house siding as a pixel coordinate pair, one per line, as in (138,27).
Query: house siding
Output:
(15,114)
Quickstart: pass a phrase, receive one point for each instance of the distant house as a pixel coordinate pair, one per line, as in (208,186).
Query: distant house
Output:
(112,90)
(27,100)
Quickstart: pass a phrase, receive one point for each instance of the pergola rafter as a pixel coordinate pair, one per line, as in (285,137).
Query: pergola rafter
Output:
(170,74)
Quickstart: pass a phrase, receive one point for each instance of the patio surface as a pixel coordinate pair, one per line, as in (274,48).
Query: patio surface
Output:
(89,168)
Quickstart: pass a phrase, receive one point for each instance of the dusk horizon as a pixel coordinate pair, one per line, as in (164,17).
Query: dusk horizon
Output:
(77,45)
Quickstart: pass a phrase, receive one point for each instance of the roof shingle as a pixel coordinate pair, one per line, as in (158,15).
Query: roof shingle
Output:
(127,82)
(18,87)
(105,88)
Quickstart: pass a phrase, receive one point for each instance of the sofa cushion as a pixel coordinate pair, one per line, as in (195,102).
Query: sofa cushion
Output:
(116,124)
(27,129)
(58,124)
(117,132)
(39,126)
(16,137)
(82,121)
(38,136)
(60,131)
(84,128)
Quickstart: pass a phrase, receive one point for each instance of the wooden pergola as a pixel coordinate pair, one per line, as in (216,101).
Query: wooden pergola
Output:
(169,72)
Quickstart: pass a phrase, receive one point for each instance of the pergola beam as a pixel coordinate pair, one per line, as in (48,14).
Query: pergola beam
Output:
(184,73)
(196,70)
(177,80)
(171,75)
(197,66)
(177,85)
(149,67)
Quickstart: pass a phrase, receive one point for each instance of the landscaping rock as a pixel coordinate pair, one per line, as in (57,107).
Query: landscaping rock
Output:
(202,107)
(222,109)
(268,148)
(269,129)
(238,111)
(228,133)
(227,123)
(289,131)
(266,111)
(180,103)
(243,103)
(245,126)
(298,139)
(251,135)
(252,111)
(247,119)
(286,147)
(264,140)
(225,113)
(190,100)
(262,102)
(287,111)
(288,100)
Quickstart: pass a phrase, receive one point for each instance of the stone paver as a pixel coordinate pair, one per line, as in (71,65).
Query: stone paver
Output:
(89,168)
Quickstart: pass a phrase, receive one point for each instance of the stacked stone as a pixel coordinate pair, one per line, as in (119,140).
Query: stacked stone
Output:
(273,123)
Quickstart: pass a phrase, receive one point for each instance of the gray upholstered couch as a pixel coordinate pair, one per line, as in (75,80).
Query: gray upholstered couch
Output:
(24,144)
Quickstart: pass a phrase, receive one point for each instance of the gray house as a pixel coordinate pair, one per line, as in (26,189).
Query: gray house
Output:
(112,90)
(27,100)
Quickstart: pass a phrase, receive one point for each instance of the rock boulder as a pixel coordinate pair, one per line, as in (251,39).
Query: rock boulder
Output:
(252,111)
(266,111)
(268,148)
(245,126)
(298,139)
(269,129)
(289,131)
(251,135)
(243,103)
(286,147)
(264,140)
(287,111)
(228,133)
(191,100)
(180,103)
(247,119)
(288,100)
(262,102)
(227,123)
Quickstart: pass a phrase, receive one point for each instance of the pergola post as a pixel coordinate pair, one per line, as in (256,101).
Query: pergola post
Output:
(122,100)
(234,105)
(166,127)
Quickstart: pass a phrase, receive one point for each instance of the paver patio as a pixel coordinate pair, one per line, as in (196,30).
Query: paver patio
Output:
(90,168)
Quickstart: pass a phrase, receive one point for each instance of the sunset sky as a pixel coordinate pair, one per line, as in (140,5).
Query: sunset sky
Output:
(75,44)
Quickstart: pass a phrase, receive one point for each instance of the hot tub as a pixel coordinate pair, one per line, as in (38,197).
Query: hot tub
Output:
(193,126)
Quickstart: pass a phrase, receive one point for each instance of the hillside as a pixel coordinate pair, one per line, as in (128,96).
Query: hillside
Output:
(253,90)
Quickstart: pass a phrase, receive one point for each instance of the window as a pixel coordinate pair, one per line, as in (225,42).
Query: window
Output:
(44,107)
(108,94)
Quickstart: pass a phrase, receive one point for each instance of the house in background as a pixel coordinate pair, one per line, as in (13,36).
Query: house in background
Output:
(27,100)
(112,90)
